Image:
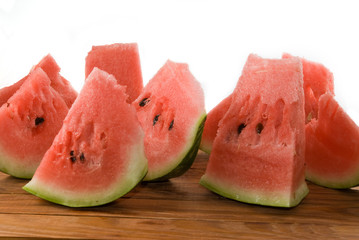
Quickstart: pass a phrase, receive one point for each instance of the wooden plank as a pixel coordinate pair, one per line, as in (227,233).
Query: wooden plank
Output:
(180,208)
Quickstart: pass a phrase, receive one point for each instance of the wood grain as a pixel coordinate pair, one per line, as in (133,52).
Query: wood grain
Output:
(177,209)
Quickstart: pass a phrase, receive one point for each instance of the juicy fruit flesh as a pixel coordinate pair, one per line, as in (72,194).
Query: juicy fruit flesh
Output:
(332,154)
(120,60)
(170,109)
(211,125)
(99,151)
(259,147)
(30,120)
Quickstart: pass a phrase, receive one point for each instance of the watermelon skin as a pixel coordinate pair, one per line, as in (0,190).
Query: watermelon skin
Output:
(29,121)
(172,114)
(332,146)
(98,155)
(211,125)
(121,60)
(258,153)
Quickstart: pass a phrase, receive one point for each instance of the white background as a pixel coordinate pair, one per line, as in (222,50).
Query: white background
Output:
(213,37)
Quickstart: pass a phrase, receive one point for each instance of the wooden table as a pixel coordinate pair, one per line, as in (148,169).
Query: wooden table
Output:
(179,209)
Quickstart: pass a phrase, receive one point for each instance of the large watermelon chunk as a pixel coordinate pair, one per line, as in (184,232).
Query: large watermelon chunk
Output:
(98,155)
(58,82)
(258,153)
(171,111)
(121,60)
(29,121)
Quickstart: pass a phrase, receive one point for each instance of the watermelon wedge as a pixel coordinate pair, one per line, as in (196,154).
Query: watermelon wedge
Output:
(332,146)
(98,155)
(258,153)
(29,121)
(171,112)
(121,60)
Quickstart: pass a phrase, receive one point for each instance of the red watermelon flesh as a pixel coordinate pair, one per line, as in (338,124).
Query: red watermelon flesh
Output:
(59,83)
(171,112)
(121,60)
(98,155)
(258,154)
(318,80)
(332,146)
(29,121)
(211,124)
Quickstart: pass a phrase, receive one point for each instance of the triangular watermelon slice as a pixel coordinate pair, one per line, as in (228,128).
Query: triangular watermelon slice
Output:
(98,155)
(29,121)
(258,153)
(122,60)
(172,114)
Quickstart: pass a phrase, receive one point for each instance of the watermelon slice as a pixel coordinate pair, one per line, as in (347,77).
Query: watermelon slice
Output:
(258,153)
(29,121)
(211,124)
(171,111)
(332,146)
(98,155)
(58,82)
(121,60)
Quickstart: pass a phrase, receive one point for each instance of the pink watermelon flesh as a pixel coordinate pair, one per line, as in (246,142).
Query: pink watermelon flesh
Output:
(121,60)
(211,124)
(258,153)
(98,155)
(29,121)
(317,80)
(332,146)
(171,112)
(59,83)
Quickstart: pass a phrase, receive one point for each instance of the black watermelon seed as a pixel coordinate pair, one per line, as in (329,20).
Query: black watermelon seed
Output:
(144,102)
(7,104)
(259,128)
(156,119)
(73,159)
(171,125)
(39,120)
(72,152)
(240,128)
(82,157)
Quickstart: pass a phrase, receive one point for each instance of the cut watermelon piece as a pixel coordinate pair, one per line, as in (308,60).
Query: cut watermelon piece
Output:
(171,111)
(258,153)
(29,121)
(332,146)
(317,80)
(98,155)
(121,60)
(211,125)
(59,83)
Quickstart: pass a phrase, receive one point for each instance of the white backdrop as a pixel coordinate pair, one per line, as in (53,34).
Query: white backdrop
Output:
(213,37)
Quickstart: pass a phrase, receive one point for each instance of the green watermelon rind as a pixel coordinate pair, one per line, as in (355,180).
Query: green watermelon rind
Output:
(136,173)
(186,159)
(272,199)
(15,167)
(349,181)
